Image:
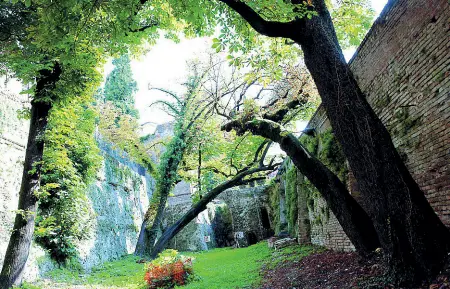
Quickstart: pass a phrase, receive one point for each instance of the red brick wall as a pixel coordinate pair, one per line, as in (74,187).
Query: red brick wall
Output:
(403,66)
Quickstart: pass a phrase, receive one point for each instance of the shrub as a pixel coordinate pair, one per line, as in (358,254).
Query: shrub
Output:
(168,270)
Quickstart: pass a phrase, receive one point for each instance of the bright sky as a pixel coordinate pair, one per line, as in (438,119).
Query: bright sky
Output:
(165,66)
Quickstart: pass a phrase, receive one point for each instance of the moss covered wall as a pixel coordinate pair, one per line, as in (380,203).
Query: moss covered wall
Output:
(308,217)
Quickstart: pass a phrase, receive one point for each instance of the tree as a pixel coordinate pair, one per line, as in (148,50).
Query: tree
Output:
(20,240)
(354,220)
(167,175)
(236,100)
(70,163)
(118,120)
(196,130)
(56,47)
(120,86)
(232,94)
(414,240)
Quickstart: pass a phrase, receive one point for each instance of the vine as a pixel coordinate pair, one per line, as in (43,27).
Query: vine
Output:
(273,191)
(325,147)
(291,200)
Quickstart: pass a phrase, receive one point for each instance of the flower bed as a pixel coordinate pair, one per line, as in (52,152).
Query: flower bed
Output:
(168,270)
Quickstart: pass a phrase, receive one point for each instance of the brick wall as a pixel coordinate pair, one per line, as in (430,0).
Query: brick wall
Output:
(403,67)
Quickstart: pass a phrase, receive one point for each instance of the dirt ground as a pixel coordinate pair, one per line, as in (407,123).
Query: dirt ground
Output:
(334,270)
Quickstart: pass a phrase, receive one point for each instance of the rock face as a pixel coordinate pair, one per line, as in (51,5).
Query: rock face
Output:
(248,207)
(118,198)
(162,133)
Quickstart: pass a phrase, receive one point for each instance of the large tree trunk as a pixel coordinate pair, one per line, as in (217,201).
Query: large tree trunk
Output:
(414,239)
(20,241)
(353,219)
(199,207)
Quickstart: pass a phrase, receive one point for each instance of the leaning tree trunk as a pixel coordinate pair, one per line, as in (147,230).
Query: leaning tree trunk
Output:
(199,207)
(354,220)
(166,181)
(413,237)
(20,241)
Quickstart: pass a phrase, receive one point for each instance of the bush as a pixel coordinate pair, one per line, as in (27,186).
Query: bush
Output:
(168,270)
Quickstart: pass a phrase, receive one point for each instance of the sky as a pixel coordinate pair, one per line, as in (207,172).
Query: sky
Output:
(165,67)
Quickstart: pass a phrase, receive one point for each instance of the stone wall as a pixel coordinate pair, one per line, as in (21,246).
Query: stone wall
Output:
(119,197)
(247,206)
(403,67)
(315,222)
(408,85)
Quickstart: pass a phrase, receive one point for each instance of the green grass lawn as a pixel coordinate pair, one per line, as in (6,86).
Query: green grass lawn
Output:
(229,268)
(122,273)
(224,268)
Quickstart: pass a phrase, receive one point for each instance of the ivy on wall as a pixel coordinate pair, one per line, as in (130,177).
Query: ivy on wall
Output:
(291,199)
(331,155)
(70,162)
(325,147)
(274,191)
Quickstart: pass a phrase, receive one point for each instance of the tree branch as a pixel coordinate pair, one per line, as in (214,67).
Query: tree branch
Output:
(262,26)
(263,156)
(260,148)
(279,115)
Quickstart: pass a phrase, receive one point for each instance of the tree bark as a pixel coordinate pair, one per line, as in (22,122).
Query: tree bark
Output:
(199,207)
(199,169)
(20,241)
(140,245)
(150,234)
(353,219)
